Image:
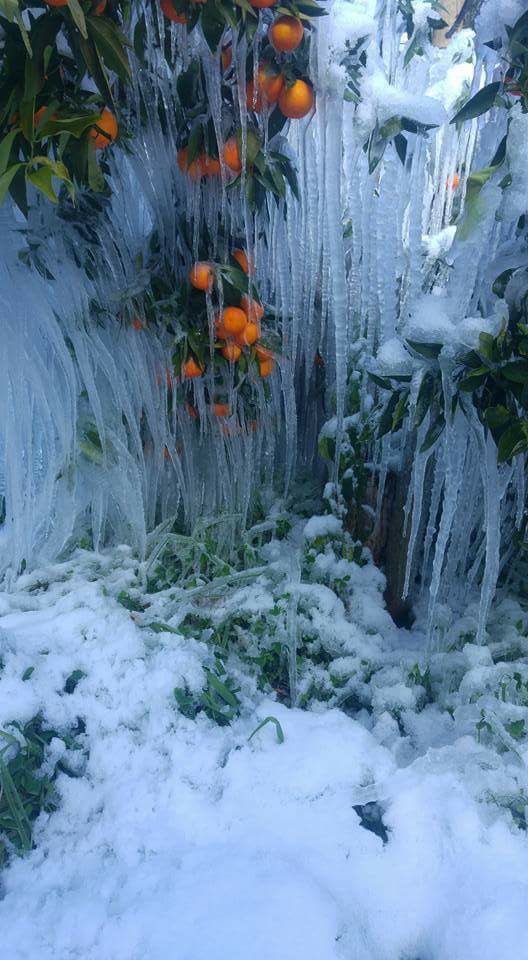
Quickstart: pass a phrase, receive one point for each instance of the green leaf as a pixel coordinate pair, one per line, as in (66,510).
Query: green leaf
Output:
(278,729)
(474,380)
(5,149)
(478,104)
(130,603)
(41,177)
(78,17)
(73,679)
(95,176)
(400,143)
(433,433)
(516,371)
(385,422)
(399,411)
(222,690)
(111,45)
(382,382)
(512,442)
(430,351)
(27,118)
(497,418)
(425,396)
(213,25)
(96,69)
(377,144)
(516,729)
(6,178)
(75,125)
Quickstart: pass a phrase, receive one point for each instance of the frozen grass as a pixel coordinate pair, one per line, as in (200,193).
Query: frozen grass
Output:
(385,821)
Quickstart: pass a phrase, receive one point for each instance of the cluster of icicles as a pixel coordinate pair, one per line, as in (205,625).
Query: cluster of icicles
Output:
(66,377)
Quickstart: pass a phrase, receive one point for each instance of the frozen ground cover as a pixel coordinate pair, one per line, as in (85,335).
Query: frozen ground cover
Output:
(389,823)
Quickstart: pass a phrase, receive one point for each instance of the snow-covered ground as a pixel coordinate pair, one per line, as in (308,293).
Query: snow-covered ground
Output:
(182,840)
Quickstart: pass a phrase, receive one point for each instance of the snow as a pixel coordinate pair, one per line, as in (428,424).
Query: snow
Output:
(435,320)
(185,840)
(322,526)
(392,357)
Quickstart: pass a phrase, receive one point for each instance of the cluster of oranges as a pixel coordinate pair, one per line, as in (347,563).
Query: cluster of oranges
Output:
(236,327)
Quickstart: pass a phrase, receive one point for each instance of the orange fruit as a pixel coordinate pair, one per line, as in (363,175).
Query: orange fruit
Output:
(249,335)
(231,352)
(193,169)
(453,181)
(171,13)
(232,155)
(191,369)
(57,3)
(39,114)
(252,308)
(263,353)
(221,410)
(210,166)
(233,320)
(286,33)
(241,258)
(107,124)
(270,83)
(221,331)
(100,8)
(296,101)
(262,4)
(227,57)
(266,367)
(202,276)
(137,325)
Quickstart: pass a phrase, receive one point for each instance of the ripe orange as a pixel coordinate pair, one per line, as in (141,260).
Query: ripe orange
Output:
(233,320)
(286,33)
(39,114)
(263,353)
(221,410)
(57,3)
(266,367)
(270,84)
(194,169)
(231,352)
(296,101)
(100,8)
(137,324)
(227,57)
(241,258)
(202,276)
(171,13)
(232,155)
(252,308)
(210,166)
(221,331)
(249,335)
(107,123)
(191,369)
(262,4)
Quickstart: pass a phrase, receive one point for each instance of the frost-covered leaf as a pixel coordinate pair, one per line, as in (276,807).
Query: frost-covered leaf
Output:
(480,103)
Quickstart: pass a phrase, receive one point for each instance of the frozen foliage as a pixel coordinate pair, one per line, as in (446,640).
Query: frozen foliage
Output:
(378,245)
(391,822)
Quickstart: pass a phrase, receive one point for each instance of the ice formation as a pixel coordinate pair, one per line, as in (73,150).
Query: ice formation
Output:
(88,437)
